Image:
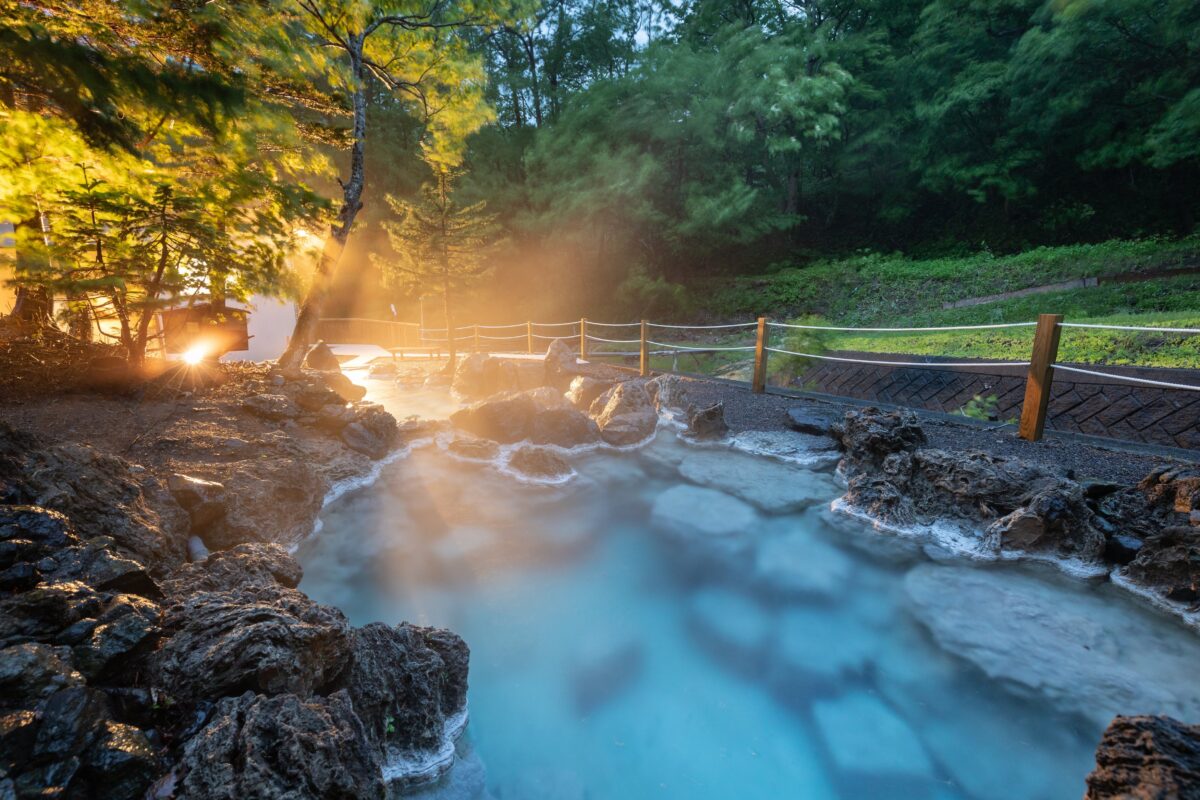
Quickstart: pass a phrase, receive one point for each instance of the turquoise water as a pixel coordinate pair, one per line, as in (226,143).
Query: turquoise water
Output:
(628,646)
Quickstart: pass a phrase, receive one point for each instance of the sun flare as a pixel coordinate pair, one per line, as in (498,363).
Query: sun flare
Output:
(195,354)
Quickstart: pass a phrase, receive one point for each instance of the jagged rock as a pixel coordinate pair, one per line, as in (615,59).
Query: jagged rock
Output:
(1121,549)
(585,389)
(32,671)
(625,414)
(814,421)
(274,407)
(334,417)
(121,763)
(312,394)
(204,501)
(1176,488)
(247,565)
(1053,522)
(1146,758)
(707,423)
(1168,562)
(879,498)
(267,638)
(344,388)
(539,463)
(561,365)
(127,624)
(669,392)
(373,431)
(40,613)
(282,747)
(870,435)
(1059,643)
(99,493)
(474,449)
(321,358)
(404,682)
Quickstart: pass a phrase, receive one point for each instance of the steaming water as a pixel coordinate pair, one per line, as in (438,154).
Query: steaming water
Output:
(711,650)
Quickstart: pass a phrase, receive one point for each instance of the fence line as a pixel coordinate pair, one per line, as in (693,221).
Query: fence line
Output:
(1040,367)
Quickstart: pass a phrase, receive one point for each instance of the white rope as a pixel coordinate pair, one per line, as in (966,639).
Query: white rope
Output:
(702,327)
(554,338)
(699,349)
(902,363)
(613,341)
(1128,378)
(555,324)
(501,327)
(614,324)
(443,330)
(906,330)
(1149,329)
(502,338)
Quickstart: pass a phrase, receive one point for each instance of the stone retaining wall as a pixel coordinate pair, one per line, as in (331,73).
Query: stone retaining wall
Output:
(1078,403)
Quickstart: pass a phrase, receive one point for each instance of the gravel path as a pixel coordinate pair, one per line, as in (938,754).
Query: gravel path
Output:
(1077,458)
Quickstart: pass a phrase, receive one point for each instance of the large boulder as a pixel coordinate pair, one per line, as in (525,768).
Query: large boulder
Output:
(1147,758)
(405,682)
(540,464)
(267,638)
(707,422)
(584,390)
(270,500)
(869,436)
(1168,564)
(244,566)
(541,415)
(282,747)
(204,501)
(1058,642)
(371,432)
(1055,522)
(561,365)
(344,388)
(321,358)
(625,414)
(480,375)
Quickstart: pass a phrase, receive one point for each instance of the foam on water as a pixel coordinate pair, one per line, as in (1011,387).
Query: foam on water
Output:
(958,539)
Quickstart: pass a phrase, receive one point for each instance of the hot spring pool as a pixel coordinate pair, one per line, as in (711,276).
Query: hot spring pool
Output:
(660,627)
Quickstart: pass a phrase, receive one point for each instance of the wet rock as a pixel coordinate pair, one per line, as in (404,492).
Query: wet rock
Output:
(625,414)
(266,638)
(1055,522)
(539,463)
(1168,563)
(1146,758)
(274,407)
(284,746)
(312,394)
(707,423)
(40,613)
(404,682)
(204,501)
(698,513)
(321,358)
(669,392)
(769,485)
(344,388)
(373,431)
(121,762)
(870,742)
(128,624)
(44,529)
(505,419)
(1121,549)
(814,452)
(247,565)
(585,389)
(31,671)
(879,498)
(564,427)
(383,369)
(466,780)
(812,420)
(1061,644)
(870,435)
(480,375)
(474,449)
(334,417)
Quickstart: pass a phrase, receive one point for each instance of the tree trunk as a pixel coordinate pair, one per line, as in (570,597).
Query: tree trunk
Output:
(305,330)
(32,306)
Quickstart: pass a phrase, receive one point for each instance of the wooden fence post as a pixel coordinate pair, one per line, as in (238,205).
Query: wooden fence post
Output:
(759,383)
(645,352)
(529,336)
(1040,376)
(583,339)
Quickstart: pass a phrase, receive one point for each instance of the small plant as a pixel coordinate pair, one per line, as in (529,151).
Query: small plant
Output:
(390,725)
(784,369)
(983,408)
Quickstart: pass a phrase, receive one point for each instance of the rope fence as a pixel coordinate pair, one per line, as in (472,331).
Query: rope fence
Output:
(1040,366)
